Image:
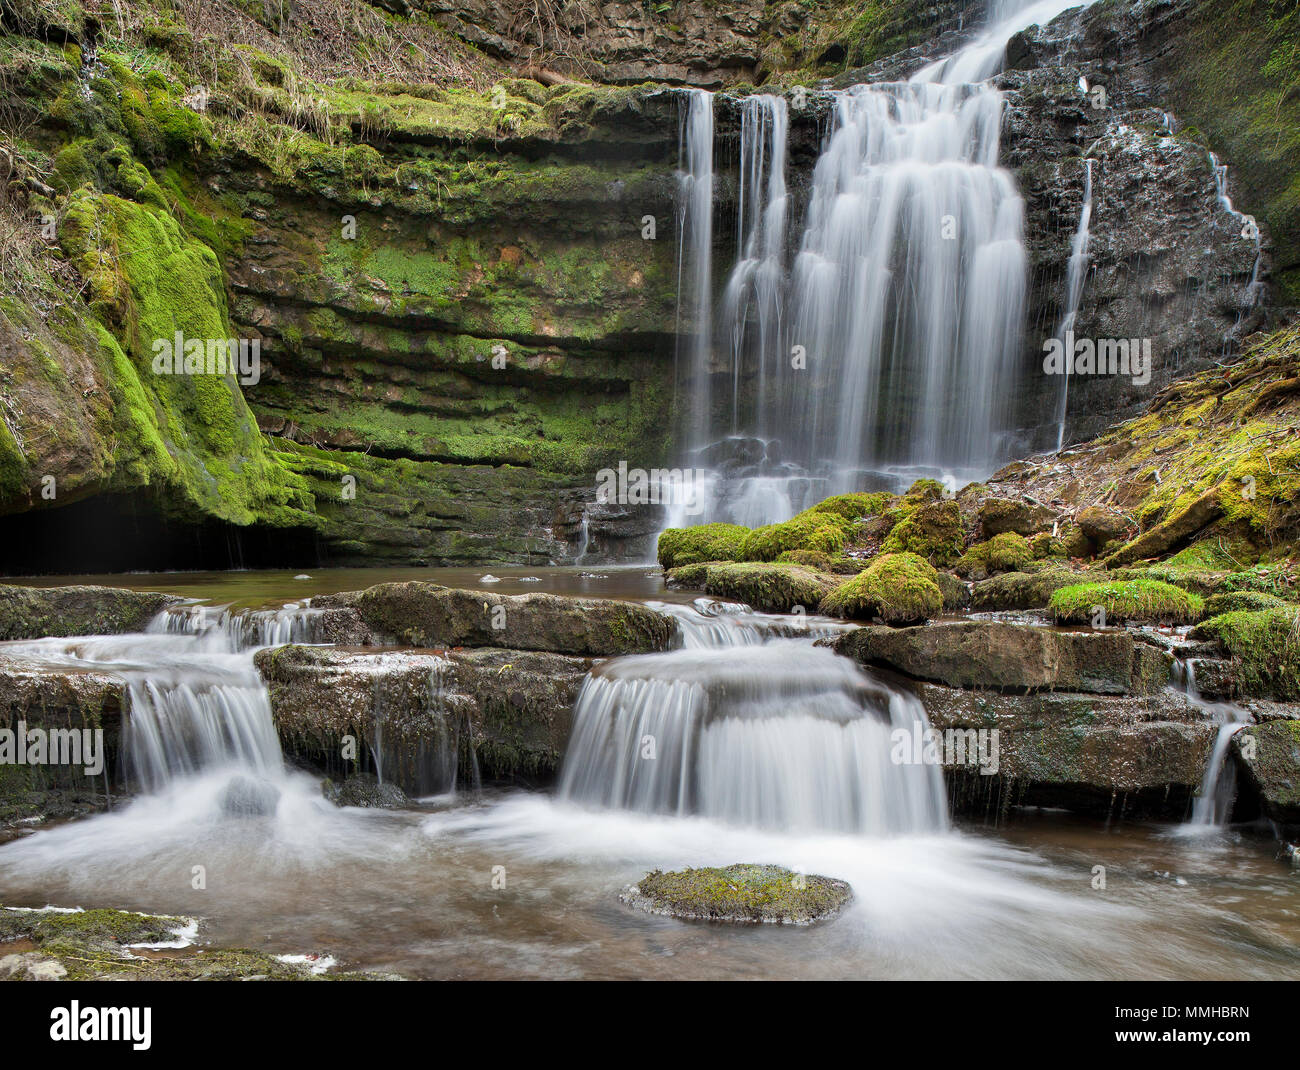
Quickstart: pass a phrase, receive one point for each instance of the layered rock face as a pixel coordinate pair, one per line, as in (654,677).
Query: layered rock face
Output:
(450,272)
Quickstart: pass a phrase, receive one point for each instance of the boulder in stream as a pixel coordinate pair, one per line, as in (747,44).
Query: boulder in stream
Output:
(743,893)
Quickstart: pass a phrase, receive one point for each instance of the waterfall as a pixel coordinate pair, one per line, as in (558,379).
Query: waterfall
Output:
(1213,803)
(1249,227)
(1075,275)
(766,732)
(695,256)
(888,346)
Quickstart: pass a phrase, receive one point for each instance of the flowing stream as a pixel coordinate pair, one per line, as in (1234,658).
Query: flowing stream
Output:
(767,748)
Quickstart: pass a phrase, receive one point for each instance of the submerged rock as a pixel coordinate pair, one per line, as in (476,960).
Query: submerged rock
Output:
(742,893)
(245,796)
(365,789)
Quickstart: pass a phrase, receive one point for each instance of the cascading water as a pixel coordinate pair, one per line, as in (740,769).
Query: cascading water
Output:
(1076,274)
(892,350)
(1213,803)
(759,731)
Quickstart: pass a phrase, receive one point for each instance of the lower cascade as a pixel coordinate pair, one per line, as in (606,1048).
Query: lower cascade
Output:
(775,733)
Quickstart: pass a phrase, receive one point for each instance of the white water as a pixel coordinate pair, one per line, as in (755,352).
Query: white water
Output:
(888,348)
(1075,276)
(1212,806)
(751,730)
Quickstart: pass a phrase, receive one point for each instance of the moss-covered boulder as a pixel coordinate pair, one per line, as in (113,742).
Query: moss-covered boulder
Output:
(1145,601)
(1249,601)
(1265,647)
(37,612)
(707,542)
(899,588)
(740,893)
(1007,552)
(933,530)
(854,506)
(819,532)
(772,587)
(1021,590)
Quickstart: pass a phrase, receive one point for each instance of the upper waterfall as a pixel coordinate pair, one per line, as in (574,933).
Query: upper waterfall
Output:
(884,343)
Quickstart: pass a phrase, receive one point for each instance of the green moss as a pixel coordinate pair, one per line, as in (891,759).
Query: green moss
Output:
(707,542)
(932,530)
(1147,601)
(741,893)
(818,532)
(1266,647)
(1007,552)
(853,506)
(899,588)
(770,587)
(1233,601)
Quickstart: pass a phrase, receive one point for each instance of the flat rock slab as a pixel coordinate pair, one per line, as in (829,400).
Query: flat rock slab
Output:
(424,614)
(741,893)
(1012,657)
(41,612)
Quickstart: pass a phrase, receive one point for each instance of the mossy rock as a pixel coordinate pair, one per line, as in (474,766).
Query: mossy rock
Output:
(39,612)
(769,586)
(853,506)
(899,588)
(1022,590)
(999,515)
(707,542)
(1250,601)
(933,531)
(747,894)
(1007,552)
(840,564)
(1266,647)
(688,576)
(818,532)
(1145,601)
(1274,768)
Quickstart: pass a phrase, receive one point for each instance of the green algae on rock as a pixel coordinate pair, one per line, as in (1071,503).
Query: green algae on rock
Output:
(900,588)
(1145,601)
(740,893)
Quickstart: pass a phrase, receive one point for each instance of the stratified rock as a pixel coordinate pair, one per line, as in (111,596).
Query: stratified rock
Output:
(38,612)
(427,615)
(1274,769)
(740,893)
(427,714)
(1089,753)
(1012,657)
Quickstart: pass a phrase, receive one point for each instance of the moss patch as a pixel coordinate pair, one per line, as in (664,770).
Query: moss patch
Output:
(1266,647)
(1146,601)
(740,893)
(707,542)
(898,588)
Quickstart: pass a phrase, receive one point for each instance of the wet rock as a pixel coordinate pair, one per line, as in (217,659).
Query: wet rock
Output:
(365,789)
(770,587)
(425,614)
(1270,756)
(38,612)
(741,893)
(1012,657)
(431,716)
(1132,755)
(246,796)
